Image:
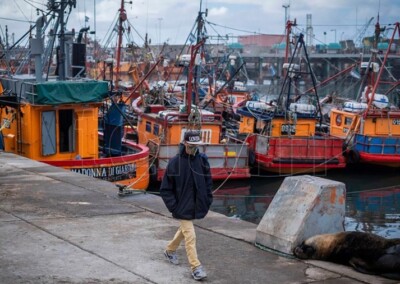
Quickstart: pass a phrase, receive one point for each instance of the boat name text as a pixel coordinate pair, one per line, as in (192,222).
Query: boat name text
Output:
(113,173)
(288,129)
(396,121)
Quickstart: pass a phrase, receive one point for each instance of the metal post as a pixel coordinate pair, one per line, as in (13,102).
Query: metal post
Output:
(37,49)
(286,7)
(61,66)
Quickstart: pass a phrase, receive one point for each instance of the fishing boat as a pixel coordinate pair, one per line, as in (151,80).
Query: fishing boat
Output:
(162,129)
(230,88)
(286,135)
(370,124)
(56,121)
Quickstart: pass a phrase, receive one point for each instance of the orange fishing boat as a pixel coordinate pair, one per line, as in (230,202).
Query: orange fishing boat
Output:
(57,122)
(370,125)
(286,135)
(162,130)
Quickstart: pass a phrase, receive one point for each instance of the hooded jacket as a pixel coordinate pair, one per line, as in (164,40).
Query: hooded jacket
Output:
(186,188)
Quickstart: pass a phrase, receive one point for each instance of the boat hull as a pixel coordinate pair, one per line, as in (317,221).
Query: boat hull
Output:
(382,160)
(226,160)
(26,136)
(131,170)
(378,150)
(294,155)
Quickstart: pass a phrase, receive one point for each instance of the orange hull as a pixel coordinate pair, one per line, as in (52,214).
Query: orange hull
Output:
(129,170)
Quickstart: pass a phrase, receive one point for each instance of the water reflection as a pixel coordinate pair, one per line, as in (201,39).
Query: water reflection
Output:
(239,203)
(376,211)
(372,199)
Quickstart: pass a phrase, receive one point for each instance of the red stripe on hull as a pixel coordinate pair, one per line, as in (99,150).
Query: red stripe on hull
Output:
(143,152)
(391,160)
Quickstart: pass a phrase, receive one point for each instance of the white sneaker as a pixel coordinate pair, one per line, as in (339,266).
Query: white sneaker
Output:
(171,257)
(199,273)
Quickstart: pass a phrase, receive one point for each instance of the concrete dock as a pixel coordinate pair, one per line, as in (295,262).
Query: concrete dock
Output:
(61,227)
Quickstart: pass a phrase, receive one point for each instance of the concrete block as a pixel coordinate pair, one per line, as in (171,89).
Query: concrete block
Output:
(304,206)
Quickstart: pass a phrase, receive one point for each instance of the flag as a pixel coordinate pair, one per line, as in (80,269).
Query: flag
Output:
(87,19)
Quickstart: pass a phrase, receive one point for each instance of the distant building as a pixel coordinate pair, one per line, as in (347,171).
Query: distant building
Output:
(262,40)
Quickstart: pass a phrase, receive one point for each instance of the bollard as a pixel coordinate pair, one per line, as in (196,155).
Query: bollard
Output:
(304,206)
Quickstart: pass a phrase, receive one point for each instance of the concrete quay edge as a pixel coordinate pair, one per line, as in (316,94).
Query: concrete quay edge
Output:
(61,227)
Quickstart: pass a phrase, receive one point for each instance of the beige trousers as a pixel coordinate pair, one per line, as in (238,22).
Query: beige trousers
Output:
(186,231)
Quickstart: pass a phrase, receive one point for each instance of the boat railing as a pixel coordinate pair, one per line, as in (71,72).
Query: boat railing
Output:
(223,156)
(22,88)
(176,117)
(233,139)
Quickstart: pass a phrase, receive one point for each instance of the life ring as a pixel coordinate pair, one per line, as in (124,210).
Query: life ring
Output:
(353,156)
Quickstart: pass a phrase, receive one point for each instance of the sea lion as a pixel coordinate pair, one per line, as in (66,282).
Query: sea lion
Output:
(365,252)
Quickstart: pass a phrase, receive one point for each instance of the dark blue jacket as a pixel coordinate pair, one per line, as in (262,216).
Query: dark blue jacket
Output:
(186,186)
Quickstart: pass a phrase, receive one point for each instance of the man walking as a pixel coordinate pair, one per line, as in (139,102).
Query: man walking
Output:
(186,191)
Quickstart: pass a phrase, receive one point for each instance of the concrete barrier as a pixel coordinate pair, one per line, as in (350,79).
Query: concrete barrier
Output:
(304,206)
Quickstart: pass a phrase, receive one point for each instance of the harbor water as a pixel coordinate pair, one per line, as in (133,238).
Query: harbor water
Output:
(372,197)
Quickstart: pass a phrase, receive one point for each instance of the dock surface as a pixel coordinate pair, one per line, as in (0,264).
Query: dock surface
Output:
(57,226)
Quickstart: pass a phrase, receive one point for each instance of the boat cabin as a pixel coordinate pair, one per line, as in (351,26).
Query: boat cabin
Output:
(48,122)
(58,123)
(164,130)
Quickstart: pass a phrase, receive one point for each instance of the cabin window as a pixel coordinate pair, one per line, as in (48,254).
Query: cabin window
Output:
(148,126)
(348,120)
(48,132)
(206,136)
(156,129)
(66,130)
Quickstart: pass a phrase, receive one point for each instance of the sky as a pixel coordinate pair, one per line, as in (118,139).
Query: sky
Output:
(172,20)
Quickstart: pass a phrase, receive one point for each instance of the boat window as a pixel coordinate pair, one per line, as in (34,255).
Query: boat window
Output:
(206,136)
(348,120)
(48,133)
(66,130)
(148,126)
(156,129)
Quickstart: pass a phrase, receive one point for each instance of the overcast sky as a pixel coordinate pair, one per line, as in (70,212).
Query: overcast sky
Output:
(172,20)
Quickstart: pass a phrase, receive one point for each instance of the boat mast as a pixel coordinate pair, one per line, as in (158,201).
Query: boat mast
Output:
(59,8)
(197,70)
(61,66)
(122,18)
(193,52)
(289,25)
(194,74)
(194,69)
(378,78)
(37,53)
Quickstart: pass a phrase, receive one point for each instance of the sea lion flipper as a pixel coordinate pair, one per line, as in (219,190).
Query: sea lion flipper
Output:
(360,265)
